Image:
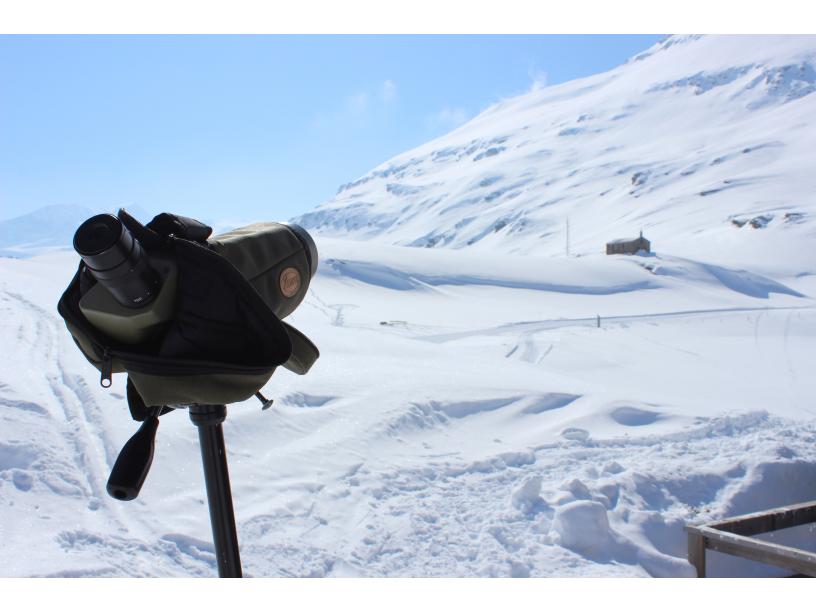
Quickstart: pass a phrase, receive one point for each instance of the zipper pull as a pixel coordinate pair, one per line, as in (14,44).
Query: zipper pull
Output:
(107,370)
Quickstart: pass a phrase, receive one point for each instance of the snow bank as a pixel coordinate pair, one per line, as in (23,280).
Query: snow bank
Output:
(583,527)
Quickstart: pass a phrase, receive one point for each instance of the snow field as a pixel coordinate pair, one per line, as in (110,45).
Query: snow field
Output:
(465,436)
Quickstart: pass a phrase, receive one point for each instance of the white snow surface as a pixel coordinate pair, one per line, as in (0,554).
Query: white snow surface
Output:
(494,408)
(467,418)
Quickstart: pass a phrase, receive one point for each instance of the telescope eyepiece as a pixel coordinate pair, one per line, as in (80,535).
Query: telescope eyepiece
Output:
(97,235)
(115,258)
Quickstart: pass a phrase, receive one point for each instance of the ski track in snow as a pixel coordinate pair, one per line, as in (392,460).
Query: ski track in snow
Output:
(92,449)
(69,416)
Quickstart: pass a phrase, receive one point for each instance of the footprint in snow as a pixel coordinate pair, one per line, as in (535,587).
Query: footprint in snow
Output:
(575,433)
(634,417)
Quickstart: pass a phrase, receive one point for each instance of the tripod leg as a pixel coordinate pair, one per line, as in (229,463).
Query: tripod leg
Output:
(208,419)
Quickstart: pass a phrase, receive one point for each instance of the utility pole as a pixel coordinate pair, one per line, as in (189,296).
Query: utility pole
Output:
(567,243)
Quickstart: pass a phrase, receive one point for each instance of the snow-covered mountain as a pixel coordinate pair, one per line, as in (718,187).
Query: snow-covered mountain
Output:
(704,142)
(52,228)
(46,228)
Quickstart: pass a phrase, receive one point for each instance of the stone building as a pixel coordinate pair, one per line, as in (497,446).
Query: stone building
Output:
(628,246)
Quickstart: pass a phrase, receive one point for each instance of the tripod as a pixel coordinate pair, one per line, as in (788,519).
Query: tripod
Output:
(132,465)
(208,419)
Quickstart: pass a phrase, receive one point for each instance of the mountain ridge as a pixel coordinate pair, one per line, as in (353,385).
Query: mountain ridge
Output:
(704,136)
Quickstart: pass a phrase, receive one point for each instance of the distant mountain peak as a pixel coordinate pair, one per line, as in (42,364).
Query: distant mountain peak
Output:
(47,228)
(666,43)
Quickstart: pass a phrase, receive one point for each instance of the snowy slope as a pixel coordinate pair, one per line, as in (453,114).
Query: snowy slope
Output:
(467,417)
(703,142)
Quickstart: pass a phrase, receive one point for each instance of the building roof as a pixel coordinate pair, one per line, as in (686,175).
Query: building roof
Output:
(624,240)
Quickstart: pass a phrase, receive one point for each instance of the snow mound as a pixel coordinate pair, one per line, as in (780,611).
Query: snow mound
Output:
(740,281)
(527,497)
(774,483)
(582,526)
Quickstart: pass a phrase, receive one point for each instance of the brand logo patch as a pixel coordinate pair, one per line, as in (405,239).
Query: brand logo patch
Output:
(289,282)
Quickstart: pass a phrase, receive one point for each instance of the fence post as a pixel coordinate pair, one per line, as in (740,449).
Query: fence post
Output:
(696,552)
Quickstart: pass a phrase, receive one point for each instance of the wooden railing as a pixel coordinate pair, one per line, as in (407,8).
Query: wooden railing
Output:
(733,537)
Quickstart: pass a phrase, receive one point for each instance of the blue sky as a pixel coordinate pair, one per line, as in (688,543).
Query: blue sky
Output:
(239,127)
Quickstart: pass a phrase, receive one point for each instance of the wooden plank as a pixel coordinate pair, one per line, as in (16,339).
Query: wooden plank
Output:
(757,550)
(696,552)
(768,520)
